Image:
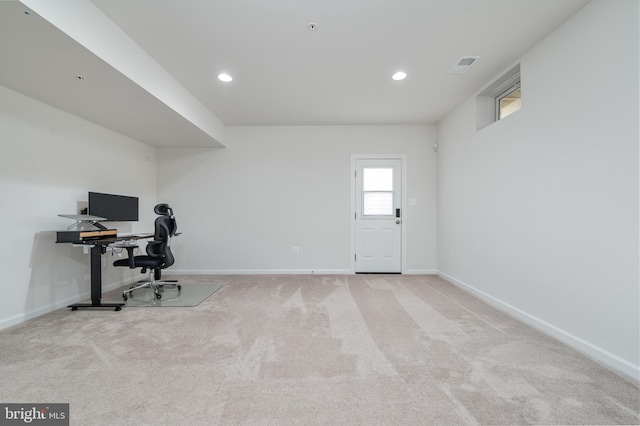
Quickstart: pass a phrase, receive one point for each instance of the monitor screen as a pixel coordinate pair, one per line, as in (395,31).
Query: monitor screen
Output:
(115,208)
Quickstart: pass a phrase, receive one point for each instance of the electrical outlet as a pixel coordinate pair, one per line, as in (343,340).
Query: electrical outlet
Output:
(296,250)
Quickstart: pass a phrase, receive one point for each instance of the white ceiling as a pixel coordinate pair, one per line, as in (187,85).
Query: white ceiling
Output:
(284,74)
(40,61)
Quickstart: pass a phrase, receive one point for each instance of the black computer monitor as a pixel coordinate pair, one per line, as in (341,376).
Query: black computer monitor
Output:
(114,208)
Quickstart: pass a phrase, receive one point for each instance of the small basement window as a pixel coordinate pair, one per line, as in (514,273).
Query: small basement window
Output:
(499,100)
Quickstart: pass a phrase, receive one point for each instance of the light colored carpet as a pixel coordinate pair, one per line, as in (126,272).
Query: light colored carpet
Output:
(292,350)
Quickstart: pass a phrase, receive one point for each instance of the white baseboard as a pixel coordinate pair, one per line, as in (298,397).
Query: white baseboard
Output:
(592,351)
(257,272)
(25,316)
(282,272)
(421,272)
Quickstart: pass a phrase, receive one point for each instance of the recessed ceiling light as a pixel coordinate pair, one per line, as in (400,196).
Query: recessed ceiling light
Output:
(399,75)
(225,77)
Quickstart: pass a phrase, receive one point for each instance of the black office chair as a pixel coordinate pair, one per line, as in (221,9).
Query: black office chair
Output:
(158,255)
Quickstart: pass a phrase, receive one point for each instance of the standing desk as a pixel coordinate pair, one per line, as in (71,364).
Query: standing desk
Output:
(98,248)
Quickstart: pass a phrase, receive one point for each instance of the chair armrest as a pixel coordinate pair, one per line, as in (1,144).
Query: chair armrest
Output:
(129,247)
(132,258)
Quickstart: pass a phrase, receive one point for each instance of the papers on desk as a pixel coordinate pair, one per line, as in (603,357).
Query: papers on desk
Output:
(132,236)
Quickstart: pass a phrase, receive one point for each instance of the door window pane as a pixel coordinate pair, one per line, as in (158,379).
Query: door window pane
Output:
(378,203)
(377,191)
(377,179)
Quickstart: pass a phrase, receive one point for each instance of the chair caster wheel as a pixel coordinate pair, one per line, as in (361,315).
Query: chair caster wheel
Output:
(158,296)
(179,287)
(118,308)
(124,296)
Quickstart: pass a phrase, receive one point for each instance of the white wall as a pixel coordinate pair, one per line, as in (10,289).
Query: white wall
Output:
(49,161)
(541,209)
(243,209)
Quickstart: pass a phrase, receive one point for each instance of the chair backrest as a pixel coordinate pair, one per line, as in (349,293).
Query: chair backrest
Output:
(165,229)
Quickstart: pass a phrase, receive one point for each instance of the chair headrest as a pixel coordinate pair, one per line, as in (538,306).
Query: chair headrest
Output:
(163,209)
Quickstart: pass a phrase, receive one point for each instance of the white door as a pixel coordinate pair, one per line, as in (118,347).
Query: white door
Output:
(378,216)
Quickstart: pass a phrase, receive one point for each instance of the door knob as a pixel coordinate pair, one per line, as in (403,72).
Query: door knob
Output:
(398,222)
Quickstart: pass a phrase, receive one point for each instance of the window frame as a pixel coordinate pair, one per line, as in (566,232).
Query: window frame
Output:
(377,191)
(488,101)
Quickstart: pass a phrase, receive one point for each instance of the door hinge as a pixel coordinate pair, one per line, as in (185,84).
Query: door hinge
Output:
(355,215)
(355,257)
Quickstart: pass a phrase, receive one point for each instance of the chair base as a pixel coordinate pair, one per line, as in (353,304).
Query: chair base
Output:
(156,285)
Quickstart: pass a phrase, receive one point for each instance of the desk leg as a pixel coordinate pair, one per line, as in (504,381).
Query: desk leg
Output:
(96,283)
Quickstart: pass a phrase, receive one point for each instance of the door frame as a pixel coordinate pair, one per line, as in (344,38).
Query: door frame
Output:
(404,204)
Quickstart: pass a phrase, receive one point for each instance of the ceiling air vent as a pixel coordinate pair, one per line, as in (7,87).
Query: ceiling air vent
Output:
(463,64)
